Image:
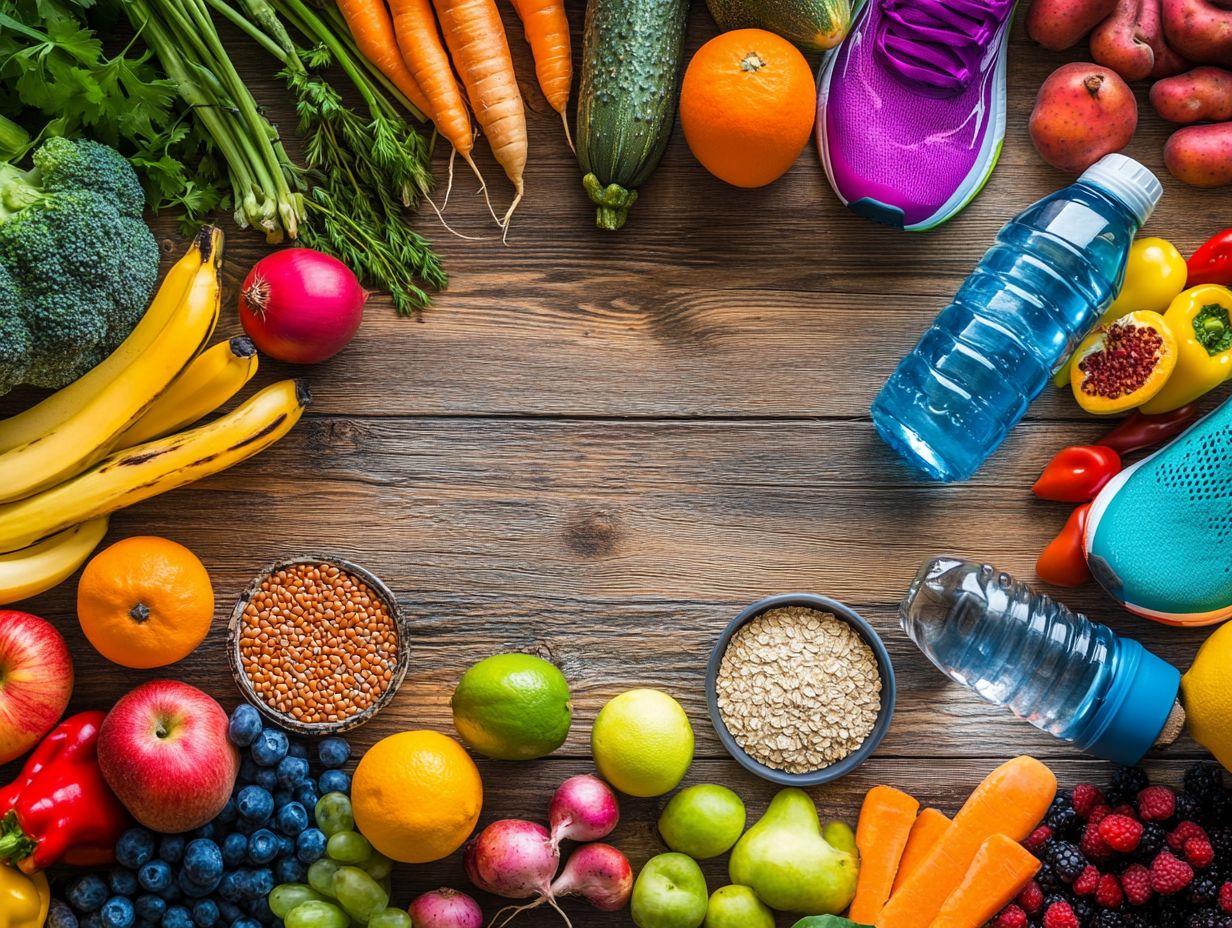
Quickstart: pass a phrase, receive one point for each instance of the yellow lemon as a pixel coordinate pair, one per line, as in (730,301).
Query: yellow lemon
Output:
(642,742)
(416,796)
(1208,697)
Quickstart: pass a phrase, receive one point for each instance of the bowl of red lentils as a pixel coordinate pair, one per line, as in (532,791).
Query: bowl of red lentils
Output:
(318,644)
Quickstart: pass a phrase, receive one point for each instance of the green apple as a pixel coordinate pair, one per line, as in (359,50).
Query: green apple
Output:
(702,821)
(670,892)
(737,907)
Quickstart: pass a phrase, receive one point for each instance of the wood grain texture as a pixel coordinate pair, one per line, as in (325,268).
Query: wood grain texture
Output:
(600,447)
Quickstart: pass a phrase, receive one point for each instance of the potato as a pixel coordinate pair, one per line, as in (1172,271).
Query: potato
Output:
(1167,61)
(1058,24)
(1119,43)
(1202,95)
(1200,30)
(1201,155)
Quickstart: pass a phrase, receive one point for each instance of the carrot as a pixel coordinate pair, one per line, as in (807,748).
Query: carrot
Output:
(547,31)
(885,822)
(999,871)
(476,40)
(374,34)
(1010,801)
(927,830)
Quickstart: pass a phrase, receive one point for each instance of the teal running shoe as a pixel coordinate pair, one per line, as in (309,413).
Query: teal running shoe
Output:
(1159,535)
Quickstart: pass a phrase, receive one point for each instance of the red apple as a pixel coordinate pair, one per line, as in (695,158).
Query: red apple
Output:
(163,749)
(36,679)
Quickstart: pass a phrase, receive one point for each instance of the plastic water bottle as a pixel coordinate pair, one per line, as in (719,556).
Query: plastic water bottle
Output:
(1034,296)
(1063,673)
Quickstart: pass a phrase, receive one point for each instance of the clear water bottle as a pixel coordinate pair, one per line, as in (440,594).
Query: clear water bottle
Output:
(1034,296)
(1063,673)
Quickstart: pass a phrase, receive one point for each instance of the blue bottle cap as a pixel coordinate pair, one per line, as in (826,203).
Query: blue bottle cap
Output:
(1140,696)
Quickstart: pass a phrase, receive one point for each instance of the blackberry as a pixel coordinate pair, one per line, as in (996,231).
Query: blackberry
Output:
(1064,822)
(1154,836)
(1083,909)
(1204,890)
(1051,898)
(1170,917)
(1202,781)
(1188,809)
(1067,860)
(1221,841)
(1107,918)
(1127,783)
(1220,808)
(1047,878)
(1206,918)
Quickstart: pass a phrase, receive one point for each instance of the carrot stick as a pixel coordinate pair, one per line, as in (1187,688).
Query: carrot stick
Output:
(373,31)
(1010,801)
(929,826)
(999,871)
(476,39)
(885,822)
(547,32)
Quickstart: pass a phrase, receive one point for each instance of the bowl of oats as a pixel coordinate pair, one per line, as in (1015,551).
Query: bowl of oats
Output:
(800,689)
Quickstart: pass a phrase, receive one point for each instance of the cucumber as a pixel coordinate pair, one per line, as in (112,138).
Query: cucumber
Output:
(632,54)
(813,25)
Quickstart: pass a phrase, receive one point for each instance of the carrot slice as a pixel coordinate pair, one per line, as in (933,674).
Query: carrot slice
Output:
(885,822)
(929,826)
(999,871)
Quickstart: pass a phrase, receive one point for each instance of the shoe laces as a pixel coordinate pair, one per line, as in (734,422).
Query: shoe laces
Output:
(938,43)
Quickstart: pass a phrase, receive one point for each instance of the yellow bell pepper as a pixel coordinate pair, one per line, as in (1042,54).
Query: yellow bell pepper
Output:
(24,900)
(1201,320)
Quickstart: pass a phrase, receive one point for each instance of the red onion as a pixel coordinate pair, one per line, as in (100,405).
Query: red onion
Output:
(300,305)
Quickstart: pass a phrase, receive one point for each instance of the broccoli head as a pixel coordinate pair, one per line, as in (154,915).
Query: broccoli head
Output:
(77,262)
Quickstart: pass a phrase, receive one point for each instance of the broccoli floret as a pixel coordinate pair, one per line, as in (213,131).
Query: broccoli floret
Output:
(77,262)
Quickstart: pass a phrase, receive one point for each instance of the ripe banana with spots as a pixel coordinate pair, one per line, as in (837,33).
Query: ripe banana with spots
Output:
(146,470)
(33,570)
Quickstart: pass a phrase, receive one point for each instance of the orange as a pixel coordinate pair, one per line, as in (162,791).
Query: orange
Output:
(747,106)
(145,602)
(416,796)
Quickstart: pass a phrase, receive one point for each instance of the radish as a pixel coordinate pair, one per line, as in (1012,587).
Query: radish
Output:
(512,858)
(446,908)
(583,809)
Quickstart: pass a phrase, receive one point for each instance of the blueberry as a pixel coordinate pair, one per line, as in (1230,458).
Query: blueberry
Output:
(117,912)
(248,770)
(205,913)
(92,921)
(172,893)
(291,819)
(209,831)
(122,881)
(155,876)
(60,915)
(261,883)
(177,917)
(267,778)
(245,827)
(262,847)
(334,781)
(88,893)
(232,886)
(194,889)
(292,771)
(286,846)
(289,870)
(229,911)
(298,748)
(245,922)
(234,849)
(150,908)
(255,804)
(333,752)
(306,794)
(203,861)
(270,747)
(135,847)
(171,849)
(245,725)
(282,797)
(227,814)
(310,845)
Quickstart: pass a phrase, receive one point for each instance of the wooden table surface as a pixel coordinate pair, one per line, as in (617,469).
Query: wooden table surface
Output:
(599,447)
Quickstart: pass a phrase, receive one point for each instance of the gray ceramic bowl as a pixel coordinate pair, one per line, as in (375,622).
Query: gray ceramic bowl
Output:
(288,722)
(852,760)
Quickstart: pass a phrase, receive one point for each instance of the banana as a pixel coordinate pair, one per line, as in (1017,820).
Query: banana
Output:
(32,570)
(51,413)
(86,436)
(138,473)
(212,378)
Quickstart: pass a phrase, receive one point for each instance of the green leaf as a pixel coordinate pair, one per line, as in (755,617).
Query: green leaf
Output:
(827,921)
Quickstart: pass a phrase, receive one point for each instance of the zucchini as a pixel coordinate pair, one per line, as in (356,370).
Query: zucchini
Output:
(632,54)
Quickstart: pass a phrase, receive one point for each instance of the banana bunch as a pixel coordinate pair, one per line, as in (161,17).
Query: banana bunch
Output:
(121,433)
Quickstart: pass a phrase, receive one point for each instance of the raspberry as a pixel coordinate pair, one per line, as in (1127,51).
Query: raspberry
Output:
(1011,917)
(1183,832)
(1061,915)
(1225,897)
(1031,898)
(1092,845)
(1198,852)
(1121,833)
(1156,803)
(1108,895)
(1067,860)
(1170,874)
(1136,881)
(1098,814)
(1125,809)
(1087,882)
(1085,798)
(1038,838)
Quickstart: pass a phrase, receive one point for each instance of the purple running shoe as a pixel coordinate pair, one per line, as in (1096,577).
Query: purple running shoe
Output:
(911,108)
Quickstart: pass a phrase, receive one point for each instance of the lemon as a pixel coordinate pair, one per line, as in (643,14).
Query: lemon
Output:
(1208,698)
(512,707)
(642,742)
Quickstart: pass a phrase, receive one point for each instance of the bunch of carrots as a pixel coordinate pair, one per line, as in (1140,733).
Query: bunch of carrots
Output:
(403,39)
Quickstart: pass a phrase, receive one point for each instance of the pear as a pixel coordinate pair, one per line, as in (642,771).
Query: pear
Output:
(792,864)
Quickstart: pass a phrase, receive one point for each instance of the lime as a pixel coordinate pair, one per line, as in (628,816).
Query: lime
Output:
(702,821)
(642,742)
(512,707)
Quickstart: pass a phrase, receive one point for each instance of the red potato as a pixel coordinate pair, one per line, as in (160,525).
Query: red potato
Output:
(1201,155)
(1202,95)
(1200,30)
(1061,24)
(1082,113)
(1167,61)
(1119,43)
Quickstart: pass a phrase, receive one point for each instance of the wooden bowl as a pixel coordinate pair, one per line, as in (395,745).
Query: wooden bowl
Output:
(288,722)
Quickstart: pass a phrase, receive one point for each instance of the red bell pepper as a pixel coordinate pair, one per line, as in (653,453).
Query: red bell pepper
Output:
(60,809)
(1140,431)
(1064,561)
(1077,473)
(1212,263)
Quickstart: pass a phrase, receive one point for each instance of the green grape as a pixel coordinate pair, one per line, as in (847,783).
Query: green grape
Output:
(287,896)
(359,894)
(377,865)
(321,876)
(317,914)
(333,814)
(348,847)
(390,918)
